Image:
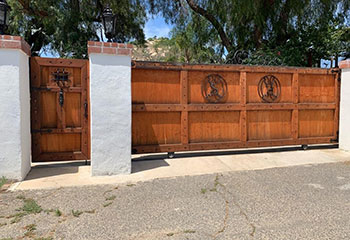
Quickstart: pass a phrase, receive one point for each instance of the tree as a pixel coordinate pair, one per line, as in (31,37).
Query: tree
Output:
(295,32)
(65,26)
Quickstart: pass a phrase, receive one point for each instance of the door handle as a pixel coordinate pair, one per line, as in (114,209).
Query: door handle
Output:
(86,110)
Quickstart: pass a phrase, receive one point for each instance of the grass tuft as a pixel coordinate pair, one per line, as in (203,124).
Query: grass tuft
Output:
(111,198)
(76,213)
(58,213)
(3,181)
(107,204)
(31,207)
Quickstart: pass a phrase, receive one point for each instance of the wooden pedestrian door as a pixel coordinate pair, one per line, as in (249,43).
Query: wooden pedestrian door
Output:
(59,109)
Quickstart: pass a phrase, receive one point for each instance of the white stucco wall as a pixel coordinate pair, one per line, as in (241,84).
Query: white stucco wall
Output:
(15,140)
(110,99)
(344,118)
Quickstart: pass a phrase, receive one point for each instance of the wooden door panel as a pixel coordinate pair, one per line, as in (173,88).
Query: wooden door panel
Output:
(59,104)
(48,110)
(73,109)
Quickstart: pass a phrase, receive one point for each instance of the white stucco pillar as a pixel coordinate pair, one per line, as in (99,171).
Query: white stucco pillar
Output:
(110,104)
(15,137)
(344,117)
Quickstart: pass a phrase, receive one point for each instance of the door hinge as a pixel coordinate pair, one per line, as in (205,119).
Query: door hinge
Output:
(40,89)
(41,130)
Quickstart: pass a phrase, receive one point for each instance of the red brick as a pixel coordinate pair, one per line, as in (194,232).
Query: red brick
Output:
(124,51)
(7,37)
(10,44)
(129,45)
(121,45)
(14,42)
(106,44)
(109,50)
(91,43)
(98,44)
(17,38)
(115,45)
(344,64)
(94,50)
(26,48)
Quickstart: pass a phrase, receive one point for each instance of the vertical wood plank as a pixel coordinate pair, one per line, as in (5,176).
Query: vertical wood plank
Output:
(84,100)
(295,114)
(243,101)
(243,83)
(295,84)
(61,119)
(243,122)
(184,102)
(337,102)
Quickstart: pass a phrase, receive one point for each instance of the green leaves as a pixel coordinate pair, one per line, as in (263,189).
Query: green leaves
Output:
(63,27)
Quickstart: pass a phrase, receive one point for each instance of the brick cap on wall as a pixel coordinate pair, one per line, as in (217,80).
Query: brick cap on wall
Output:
(344,64)
(110,48)
(14,42)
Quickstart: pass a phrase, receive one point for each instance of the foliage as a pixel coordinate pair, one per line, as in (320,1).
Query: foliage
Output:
(301,31)
(63,27)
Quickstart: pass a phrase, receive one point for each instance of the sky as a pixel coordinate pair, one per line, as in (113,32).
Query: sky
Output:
(157,27)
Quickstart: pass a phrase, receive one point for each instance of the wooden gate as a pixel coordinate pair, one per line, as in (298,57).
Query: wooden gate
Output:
(203,107)
(59,108)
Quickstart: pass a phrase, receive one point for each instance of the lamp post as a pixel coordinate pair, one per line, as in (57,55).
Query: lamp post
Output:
(109,23)
(4,16)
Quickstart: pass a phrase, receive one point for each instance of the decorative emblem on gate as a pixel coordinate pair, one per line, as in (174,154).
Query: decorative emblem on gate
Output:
(61,78)
(214,88)
(269,89)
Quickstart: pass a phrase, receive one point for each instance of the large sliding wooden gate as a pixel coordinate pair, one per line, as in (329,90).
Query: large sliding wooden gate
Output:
(59,108)
(200,107)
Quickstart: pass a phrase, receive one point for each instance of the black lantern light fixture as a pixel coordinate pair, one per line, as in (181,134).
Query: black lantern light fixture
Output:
(109,23)
(4,16)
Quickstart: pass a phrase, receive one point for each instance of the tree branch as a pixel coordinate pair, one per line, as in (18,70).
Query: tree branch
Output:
(223,36)
(26,6)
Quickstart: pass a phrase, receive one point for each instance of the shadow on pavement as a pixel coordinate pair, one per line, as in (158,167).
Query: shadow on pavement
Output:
(164,156)
(42,170)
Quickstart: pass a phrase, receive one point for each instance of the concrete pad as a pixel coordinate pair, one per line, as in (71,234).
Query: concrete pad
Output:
(149,167)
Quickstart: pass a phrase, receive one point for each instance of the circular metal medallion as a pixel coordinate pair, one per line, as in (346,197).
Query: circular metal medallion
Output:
(214,88)
(269,89)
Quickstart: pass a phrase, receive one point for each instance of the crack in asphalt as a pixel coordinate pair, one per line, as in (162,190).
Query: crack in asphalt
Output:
(235,203)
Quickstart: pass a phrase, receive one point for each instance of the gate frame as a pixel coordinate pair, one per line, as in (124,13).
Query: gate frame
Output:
(184,107)
(38,62)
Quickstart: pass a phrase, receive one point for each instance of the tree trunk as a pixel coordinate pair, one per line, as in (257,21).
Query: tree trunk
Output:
(223,36)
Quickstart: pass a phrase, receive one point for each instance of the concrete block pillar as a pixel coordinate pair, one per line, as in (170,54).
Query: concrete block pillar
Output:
(344,117)
(110,106)
(15,138)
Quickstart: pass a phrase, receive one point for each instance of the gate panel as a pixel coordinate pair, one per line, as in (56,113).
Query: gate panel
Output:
(218,127)
(59,105)
(264,125)
(203,107)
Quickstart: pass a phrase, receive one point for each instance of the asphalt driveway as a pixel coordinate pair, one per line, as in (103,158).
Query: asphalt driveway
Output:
(302,202)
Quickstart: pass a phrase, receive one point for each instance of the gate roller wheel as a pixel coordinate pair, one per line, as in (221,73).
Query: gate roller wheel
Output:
(304,147)
(171,154)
